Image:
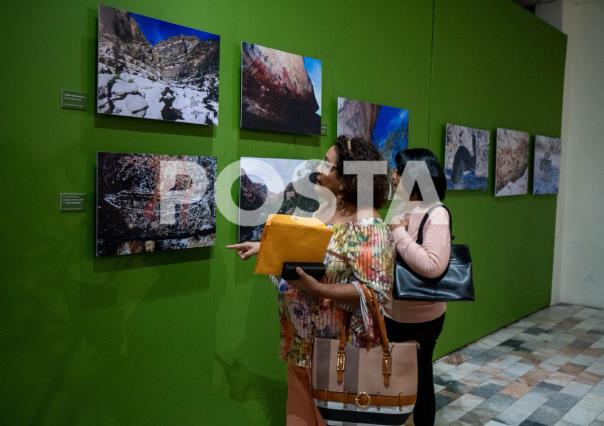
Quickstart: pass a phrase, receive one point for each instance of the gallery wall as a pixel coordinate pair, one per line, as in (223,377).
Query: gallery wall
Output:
(578,271)
(176,337)
(495,65)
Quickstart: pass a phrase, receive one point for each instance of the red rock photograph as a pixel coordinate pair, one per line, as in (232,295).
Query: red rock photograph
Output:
(280,91)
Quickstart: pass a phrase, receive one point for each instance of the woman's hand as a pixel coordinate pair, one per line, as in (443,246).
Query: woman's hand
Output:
(306,282)
(404,222)
(246,249)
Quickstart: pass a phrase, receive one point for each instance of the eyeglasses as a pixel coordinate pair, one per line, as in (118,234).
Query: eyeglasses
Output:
(326,167)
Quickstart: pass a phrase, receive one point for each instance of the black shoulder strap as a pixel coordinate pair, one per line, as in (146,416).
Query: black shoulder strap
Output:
(420,232)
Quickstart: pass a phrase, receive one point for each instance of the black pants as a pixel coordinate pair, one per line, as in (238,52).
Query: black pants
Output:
(425,333)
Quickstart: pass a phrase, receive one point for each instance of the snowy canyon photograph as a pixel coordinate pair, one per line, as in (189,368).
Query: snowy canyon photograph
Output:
(153,69)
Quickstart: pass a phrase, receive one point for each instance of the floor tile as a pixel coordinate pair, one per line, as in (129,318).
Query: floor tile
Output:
(562,402)
(546,415)
(486,390)
(580,415)
(592,401)
(543,370)
(576,389)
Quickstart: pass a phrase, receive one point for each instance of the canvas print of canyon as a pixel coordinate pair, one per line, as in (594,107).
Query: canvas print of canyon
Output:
(386,127)
(466,157)
(153,69)
(260,188)
(546,169)
(148,202)
(511,164)
(280,91)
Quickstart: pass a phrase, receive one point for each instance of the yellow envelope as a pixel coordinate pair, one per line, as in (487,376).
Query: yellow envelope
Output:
(287,238)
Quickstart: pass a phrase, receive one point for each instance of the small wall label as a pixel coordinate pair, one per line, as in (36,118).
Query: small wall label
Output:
(73,100)
(72,202)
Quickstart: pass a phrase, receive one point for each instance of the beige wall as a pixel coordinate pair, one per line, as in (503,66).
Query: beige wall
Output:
(578,275)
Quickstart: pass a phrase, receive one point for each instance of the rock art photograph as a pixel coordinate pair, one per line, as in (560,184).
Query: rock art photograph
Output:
(546,169)
(153,69)
(148,203)
(466,158)
(280,91)
(511,163)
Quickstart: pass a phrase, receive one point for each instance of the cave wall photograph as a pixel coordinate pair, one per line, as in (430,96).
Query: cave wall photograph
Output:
(148,203)
(466,157)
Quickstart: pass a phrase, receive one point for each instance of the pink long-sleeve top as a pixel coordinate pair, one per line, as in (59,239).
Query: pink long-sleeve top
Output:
(429,260)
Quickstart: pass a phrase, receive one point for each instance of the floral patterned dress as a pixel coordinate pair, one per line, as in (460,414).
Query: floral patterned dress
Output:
(359,253)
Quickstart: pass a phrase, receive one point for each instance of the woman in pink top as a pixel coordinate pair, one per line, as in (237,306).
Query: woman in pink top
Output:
(415,320)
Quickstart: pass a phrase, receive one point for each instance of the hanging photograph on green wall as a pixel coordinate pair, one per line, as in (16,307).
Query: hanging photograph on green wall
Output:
(153,69)
(511,163)
(546,168)
(149,202)
(268,185)
(466,157)
(280,91)
(385,126)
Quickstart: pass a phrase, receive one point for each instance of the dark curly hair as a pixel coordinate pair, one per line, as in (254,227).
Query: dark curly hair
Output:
(360,150)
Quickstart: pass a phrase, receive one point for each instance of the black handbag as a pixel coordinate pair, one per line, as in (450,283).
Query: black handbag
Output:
(455,284)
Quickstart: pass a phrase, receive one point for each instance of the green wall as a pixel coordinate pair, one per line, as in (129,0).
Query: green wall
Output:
(191,337)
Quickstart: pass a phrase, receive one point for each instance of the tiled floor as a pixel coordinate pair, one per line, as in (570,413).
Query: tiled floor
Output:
(547,369)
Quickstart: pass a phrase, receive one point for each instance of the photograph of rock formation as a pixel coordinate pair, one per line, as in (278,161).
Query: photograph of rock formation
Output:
(153,69)
(280,91)
(546,168)
(466,157)
(258,187)
(511,163)
(148,202)
(385,126)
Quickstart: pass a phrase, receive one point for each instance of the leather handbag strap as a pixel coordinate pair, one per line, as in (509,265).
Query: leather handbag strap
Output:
(374,309)
(420,232)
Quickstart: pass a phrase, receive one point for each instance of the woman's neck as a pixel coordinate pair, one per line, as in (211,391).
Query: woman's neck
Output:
(348,212)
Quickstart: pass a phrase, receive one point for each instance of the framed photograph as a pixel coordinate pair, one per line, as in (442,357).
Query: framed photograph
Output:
(546,169)
(271,183)
(153,69)
(385,126)
(149,202)
(280,91)
(511,163)
(466,158)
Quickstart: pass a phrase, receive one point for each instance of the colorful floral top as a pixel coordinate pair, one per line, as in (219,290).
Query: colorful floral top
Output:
(359,253)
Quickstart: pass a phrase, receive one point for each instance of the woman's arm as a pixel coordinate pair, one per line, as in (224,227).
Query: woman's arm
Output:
(343,293)
(430,259)
(370,256)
